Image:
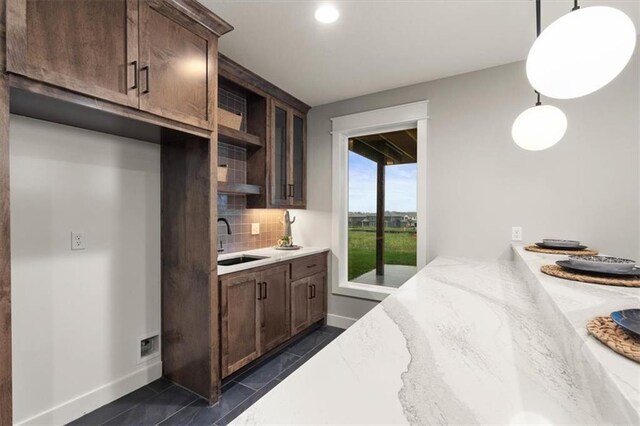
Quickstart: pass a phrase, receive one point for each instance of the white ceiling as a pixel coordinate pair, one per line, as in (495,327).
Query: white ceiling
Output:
(378,45)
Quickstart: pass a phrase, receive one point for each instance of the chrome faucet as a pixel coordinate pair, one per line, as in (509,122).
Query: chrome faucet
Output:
(222,219)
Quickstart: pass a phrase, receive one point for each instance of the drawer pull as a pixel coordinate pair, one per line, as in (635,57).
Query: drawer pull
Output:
(312,266)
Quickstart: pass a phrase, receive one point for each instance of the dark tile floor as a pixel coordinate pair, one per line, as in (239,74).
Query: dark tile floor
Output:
(164,403)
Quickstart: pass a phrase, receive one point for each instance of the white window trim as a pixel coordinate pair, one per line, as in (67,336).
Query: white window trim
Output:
(401,117)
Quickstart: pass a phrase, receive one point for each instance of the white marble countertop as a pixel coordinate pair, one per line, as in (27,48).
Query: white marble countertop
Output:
(570,305)
(270,255)
(461,342)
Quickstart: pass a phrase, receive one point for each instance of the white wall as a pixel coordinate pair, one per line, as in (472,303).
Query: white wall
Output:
(480,183)
(77,315)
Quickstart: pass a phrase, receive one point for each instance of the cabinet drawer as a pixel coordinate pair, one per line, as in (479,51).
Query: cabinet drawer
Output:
(308,266)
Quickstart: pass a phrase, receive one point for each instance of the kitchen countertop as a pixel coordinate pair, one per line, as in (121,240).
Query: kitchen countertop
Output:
(570,305)
(463,341)
(271,256)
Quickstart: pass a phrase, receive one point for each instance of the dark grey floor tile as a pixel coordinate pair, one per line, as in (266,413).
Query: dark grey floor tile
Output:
(159,385)
(299,362)
(259,376)
(247,403)
(308,342)
(157,408)
(115,408)
(201,413)
(333,330)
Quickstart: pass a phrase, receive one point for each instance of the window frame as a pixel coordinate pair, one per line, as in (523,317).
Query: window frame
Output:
(400,117)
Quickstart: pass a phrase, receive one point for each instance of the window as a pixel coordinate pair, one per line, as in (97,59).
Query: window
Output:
(378,241)
(382,240)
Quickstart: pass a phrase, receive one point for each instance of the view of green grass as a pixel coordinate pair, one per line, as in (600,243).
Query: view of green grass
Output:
(399,249)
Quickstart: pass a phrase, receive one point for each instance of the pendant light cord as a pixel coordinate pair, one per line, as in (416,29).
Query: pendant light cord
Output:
(538,25)
(575,5)
(539,18)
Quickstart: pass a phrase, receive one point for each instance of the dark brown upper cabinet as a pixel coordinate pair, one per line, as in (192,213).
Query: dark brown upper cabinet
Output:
(287,157)
(276,162)
(176,57)
(89,47)
(159,56)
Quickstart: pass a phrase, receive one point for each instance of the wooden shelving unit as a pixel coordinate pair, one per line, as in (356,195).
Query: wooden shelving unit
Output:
(238,138)
(239,188)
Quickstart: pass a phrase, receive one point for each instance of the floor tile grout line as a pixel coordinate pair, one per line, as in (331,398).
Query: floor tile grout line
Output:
(131,408)
(188,405)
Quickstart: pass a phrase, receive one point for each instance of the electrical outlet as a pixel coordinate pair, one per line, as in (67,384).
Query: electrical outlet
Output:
(77,241)
(516,233)
(255,228)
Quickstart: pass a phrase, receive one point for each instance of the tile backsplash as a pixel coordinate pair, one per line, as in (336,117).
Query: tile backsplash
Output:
(233,208)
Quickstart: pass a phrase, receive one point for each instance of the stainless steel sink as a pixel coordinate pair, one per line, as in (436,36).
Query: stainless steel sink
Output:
(239,259)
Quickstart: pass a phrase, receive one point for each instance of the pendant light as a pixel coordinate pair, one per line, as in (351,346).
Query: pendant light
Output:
(541,126)
(581,52)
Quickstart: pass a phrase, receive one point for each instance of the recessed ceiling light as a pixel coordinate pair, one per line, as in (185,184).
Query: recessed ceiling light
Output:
(327,14)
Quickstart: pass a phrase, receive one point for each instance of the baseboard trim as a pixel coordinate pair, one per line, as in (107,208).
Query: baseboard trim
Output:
(79,406)
(340,321)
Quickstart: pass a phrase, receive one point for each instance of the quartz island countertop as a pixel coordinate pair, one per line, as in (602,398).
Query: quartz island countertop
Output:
(463,341)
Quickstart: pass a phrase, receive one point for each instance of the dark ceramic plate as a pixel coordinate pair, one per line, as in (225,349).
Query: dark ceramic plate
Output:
(549,246)
(629,319)
(567,265)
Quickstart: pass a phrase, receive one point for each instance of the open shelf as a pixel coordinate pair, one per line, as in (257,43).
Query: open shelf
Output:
(238,137)
(238,188)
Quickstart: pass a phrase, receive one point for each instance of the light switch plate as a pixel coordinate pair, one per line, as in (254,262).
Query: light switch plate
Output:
(77,241)
(255,228)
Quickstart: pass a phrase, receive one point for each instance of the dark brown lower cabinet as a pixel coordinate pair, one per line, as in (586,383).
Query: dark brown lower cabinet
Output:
(300,296)
(275,307)
(308,301)
(318,301)
(255,315)
(262,308)
(240,312)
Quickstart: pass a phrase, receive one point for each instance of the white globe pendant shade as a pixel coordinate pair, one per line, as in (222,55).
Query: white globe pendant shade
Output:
(539,127)
(581,52)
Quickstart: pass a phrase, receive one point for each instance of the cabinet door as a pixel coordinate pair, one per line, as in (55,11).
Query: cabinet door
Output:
(279,155)
(275,307)
(298,158)
(89,47)
(177,61)
(300,295)
(317,303)
(240,313)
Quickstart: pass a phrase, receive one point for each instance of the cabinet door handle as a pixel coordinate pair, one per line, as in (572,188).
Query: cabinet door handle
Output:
(264,285)
(313,291)
(310,296)
(146,73)
(291,191)
(136,75)
(259,291)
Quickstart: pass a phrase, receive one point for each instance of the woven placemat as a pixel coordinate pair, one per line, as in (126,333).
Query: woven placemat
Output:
(557,271)
(614,336)
(585,252)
